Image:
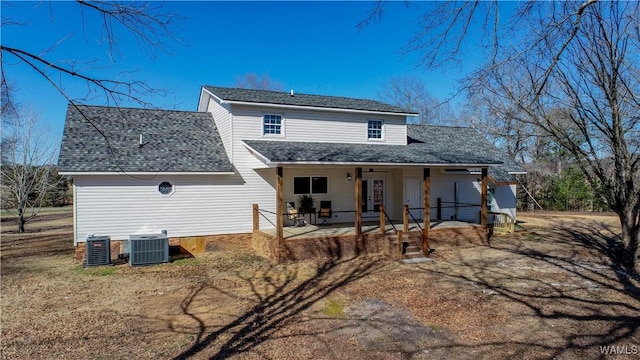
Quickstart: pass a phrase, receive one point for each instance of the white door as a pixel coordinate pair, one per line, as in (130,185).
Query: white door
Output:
(373,195)
(413,196)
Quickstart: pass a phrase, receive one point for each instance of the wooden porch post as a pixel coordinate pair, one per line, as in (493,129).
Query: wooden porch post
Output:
(426,204)
(483,198)
(383,226)
(256,218)
(279,206)
(405,218)
(358,199)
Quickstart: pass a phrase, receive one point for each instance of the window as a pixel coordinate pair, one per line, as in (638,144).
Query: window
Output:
(374,129)
(310,185)
(272,124)
(301,185)
(319,185)
(165,188)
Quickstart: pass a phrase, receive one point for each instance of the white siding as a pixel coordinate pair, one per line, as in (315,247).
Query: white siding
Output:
(316,126)
(239,123)
(200,205)
(220,204)
(222,117)
(443,187)
(341,192)
(504,199)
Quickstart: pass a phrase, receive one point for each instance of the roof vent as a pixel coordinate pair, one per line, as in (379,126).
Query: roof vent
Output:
(291,92)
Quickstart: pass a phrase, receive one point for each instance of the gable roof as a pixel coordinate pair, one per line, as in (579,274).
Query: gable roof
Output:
(304,100)
(444,139)
(174,141)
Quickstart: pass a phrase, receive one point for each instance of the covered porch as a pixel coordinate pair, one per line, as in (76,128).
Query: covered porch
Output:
(377,208)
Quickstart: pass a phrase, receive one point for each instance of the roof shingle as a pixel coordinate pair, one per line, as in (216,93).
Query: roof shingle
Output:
(426,144)
(444,139)
(174,141)
(285,98)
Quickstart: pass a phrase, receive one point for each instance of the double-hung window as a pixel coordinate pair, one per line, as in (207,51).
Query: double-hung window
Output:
(374,129)
(271,124)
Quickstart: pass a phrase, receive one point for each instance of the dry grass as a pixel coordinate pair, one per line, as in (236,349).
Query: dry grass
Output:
(550,291)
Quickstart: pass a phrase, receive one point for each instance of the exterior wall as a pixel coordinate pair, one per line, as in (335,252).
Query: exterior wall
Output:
(504,199)
(222,117)
(120,205)
(443,187)
(341,192)
(237,123)
(316,126)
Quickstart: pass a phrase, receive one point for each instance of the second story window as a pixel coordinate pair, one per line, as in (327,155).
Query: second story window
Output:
(272,124)
(374,129)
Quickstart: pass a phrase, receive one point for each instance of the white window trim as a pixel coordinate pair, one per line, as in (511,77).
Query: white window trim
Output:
(282,125)
(382,131)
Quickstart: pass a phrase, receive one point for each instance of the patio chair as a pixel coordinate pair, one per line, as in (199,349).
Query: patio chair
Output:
(295,216)
(325,212)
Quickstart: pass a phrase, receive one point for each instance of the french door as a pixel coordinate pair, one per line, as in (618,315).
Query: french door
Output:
(373,195)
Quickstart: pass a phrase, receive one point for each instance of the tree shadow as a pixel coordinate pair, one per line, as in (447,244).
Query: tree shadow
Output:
(278,296)
(580,285)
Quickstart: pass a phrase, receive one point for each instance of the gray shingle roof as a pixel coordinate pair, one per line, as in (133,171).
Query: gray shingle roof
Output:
(289,151)
(438,145)
(174,141)
(446,139)
(285,98)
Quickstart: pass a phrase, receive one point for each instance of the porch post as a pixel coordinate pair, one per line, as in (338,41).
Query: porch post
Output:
(426,212)
(256,217)
(358,199)
(279,206)
(383,226)
(483,198)
(405,218)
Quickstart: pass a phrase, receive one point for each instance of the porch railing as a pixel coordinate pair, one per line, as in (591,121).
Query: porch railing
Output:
(456,206)
(407,215)
(503,221)
(383,218)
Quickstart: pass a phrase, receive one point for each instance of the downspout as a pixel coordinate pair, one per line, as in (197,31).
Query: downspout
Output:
(75,216)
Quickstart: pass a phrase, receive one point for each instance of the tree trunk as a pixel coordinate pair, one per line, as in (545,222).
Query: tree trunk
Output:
(630,240)
(20,220)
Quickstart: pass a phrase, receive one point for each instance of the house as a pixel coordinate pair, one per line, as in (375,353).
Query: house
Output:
(221,173)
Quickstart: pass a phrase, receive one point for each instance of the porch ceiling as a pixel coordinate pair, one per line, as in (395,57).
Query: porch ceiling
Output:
(290,152)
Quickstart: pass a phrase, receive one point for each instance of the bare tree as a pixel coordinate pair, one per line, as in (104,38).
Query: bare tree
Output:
(27,173)
(258,82)
(565,70)
(411,93)
(143,21)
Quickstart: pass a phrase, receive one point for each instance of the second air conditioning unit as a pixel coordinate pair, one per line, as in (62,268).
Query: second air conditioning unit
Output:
(148,249)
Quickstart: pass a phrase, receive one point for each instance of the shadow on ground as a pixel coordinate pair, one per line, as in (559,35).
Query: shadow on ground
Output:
(566,282)
(278,297)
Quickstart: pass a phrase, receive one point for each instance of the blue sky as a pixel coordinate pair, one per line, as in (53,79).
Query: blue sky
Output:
(311,47)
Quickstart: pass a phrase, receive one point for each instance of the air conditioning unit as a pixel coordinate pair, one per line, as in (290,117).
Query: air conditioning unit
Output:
(98,251)
(148,249)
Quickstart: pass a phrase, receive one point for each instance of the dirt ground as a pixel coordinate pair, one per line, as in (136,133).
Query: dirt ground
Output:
(551,290)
